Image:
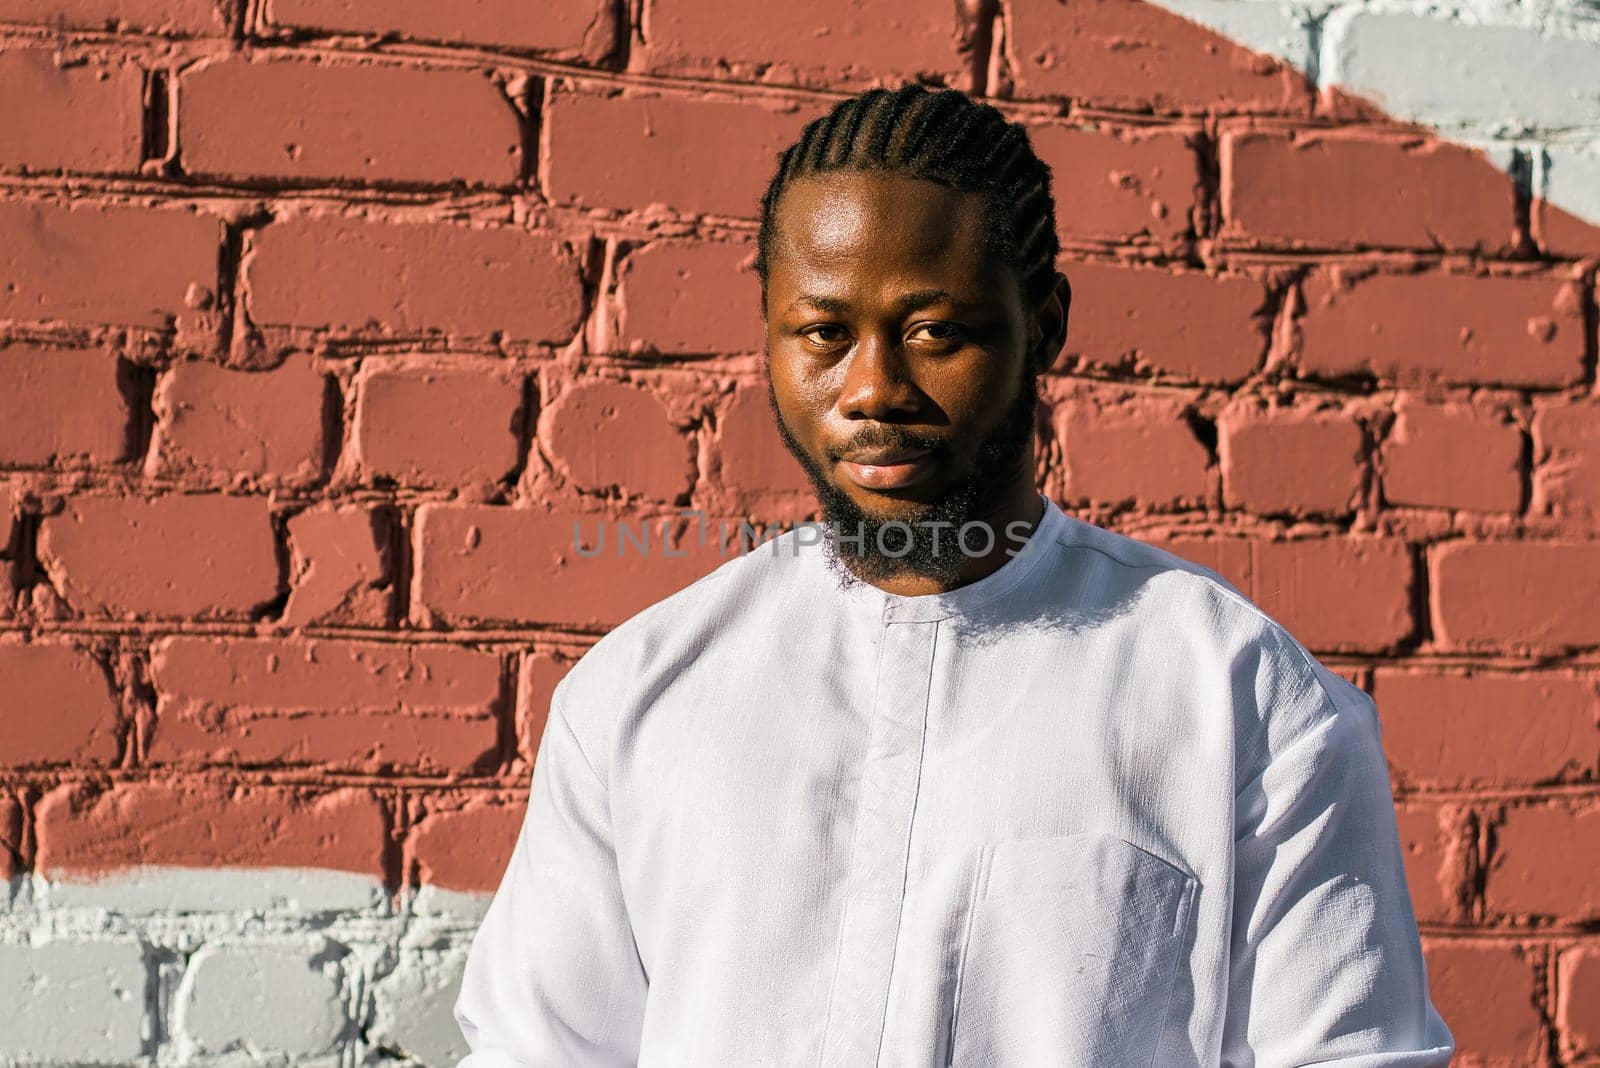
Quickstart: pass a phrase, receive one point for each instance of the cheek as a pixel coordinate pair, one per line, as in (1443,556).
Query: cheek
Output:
(801,397)
(800,376)
(973,394)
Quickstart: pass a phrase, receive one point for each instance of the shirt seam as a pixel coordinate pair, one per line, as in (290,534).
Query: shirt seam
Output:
(558,710)
(911,823)
(1273,627)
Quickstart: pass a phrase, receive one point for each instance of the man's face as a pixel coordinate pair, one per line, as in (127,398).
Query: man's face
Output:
(898,358)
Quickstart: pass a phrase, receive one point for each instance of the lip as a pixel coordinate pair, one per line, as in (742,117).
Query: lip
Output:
(888,468)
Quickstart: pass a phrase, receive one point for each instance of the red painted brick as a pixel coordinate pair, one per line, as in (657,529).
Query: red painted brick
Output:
(1296,460)
(411,278)
(1121,184)
(84,116)
(355,706)
(1126,53)
(1532,870)
(1354,674)
(1487,994)
(1232,558)
(177,17)
(1333,594)
(1562,233)
(10,505)
(11,862)
(537,677)
(214,419)
(443,425)
(41,385)
(57,707)
(1518,331)
(679,299)
(118,265)
(1451,456)
(483,565)
(825,44)
(755,464)
(571,29)
(638,152)
(1192,325)
(1416,193)
(1451,729)
(87,832)
(610,434)
(367,123)
(1436,851)
(1337,593)
(1124,446)
(467,848)
(1513,593)
(1567,451)
(340,571)
(1578,1005)
(179,555)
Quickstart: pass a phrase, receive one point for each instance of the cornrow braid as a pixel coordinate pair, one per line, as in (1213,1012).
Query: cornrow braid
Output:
(943,136)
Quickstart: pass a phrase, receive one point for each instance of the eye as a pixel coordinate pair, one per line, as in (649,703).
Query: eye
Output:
(939,331)
(823,335)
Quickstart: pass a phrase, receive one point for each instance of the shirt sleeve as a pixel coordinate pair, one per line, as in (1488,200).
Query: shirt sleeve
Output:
(1326,965)
(553,977)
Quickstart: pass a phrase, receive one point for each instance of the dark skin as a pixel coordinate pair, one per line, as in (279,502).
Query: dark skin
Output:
(889,322)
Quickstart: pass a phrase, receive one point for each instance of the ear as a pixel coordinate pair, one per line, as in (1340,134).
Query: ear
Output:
(1049,324)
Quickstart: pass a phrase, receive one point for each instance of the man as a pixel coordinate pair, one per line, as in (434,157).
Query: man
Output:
(969,781)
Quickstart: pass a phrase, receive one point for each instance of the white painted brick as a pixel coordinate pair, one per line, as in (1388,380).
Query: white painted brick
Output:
(1454,74)
(465,905)
(263,1000)
(76,1002)
(414,1007)
(154,889)
(1572,180)
(15,893)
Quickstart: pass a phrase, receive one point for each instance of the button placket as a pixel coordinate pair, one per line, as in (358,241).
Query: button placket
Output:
(881,847)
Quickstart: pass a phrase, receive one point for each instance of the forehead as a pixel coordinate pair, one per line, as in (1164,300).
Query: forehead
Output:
(854,228)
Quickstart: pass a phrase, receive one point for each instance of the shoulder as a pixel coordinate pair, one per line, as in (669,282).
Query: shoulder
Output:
(1198,585)
(1281,690)
(1116,563)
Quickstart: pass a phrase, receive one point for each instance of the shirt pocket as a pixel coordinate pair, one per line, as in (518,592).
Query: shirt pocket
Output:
(1071,947)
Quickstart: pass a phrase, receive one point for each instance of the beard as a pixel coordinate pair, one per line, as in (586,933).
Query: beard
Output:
(860,545)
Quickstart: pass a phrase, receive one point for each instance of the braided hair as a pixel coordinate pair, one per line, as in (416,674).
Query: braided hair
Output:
(943,136)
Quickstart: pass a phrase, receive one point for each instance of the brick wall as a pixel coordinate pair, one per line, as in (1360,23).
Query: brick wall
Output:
(320,321)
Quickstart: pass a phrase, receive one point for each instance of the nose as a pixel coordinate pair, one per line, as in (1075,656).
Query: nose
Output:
(877,384)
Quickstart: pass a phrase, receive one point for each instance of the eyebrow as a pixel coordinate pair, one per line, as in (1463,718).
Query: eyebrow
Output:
(919,298)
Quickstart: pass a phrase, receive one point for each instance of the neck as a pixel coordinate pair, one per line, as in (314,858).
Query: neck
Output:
(1019,504)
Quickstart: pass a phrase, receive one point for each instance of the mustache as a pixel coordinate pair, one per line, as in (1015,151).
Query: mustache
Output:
(887,437)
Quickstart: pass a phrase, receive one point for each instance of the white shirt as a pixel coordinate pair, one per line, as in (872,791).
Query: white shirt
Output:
(1094,808)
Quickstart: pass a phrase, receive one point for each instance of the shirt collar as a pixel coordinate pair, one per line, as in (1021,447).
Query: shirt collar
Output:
(927,607)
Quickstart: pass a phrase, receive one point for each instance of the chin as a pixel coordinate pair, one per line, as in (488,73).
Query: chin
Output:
(911,503)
